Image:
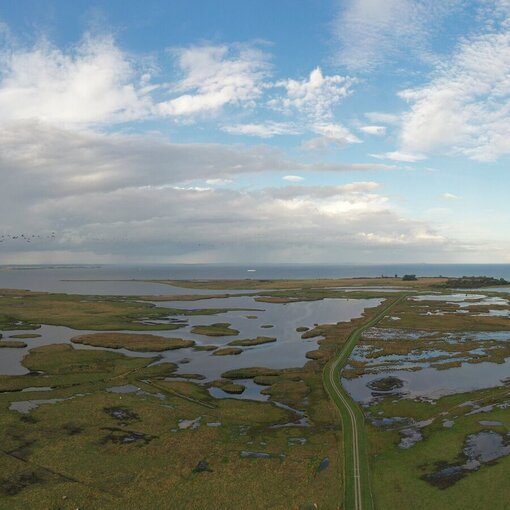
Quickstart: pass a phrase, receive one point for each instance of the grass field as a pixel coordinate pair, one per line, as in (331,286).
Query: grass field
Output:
(89,428)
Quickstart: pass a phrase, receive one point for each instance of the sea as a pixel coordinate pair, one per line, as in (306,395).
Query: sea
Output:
(111,279)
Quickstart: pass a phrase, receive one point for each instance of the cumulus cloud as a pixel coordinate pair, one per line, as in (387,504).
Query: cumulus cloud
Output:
(315,95)
(216,76)
(94,83)
(373,130)
(330,133)
(372,32)
(465,108)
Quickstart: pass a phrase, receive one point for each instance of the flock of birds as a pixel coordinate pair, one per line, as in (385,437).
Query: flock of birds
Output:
(27,238)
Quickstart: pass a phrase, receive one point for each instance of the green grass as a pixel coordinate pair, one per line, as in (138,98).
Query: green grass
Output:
(331,379)
(248,342)
(25,336)
(70,454)
(402,470)
(227,351)
(12,344)
(28,310)
(218,329)
(132,342)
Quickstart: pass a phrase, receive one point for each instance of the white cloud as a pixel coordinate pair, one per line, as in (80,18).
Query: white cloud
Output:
(371,32)
(94,83)
(449,196)
(373,130)
(465,108)
(216,76)
(314,96)
(400,156)
(218,182)
(383,117)
(293,178)
(262,130)
(330,134)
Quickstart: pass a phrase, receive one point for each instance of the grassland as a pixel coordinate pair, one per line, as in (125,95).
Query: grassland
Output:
(227,351)
(250,342)
(253,284)
(132,342)
(28,310)
(410,476)
(12,344)
(86,448)
(217,329)
(399,475)
(112,435)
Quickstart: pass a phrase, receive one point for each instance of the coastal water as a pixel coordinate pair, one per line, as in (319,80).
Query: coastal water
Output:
(91,279)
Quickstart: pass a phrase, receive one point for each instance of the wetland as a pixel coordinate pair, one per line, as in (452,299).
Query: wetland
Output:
(210,385)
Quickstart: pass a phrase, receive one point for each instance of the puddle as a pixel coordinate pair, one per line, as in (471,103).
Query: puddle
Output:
(409,438)
(25,406)
(490,423)
(256,455)
(388,422)
(324,464)
(189,424)
(481,448)
(301,418)
(120,436)
(122,414)
(296,441)
(131,388)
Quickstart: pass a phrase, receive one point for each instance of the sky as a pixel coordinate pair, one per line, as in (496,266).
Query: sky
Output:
(220,131)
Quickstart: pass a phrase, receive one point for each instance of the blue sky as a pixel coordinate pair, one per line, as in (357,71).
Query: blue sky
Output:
(223,131)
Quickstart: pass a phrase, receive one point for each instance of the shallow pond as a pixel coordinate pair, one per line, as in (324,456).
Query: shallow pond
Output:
(288,351)
(433,383)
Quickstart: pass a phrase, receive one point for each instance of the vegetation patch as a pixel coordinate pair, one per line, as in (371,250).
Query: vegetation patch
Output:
(228,386)
(25,336)
(205,347)
(217,329)
(12,344)
(122,414)
(386,384)
(123,436)
(472,282)
(248,342)
(132,342)
(14,484)
(249,373)
(227,351)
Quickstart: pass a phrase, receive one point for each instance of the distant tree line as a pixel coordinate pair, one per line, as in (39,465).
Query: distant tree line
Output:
(472,282)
